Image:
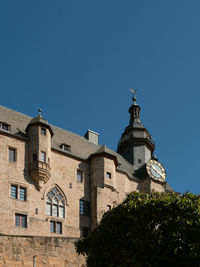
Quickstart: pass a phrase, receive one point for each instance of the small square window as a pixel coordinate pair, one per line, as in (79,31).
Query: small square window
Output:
(21,220)
(56,227)
(79,176)
(12,154)
(139,160)
(43,131)
(108,175)
(43,156)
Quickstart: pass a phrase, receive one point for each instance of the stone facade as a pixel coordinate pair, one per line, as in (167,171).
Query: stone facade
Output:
(21,251)
(56,184)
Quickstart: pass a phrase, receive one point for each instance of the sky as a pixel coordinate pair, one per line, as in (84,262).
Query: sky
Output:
(76,60)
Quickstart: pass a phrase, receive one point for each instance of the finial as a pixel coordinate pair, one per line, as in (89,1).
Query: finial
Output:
(40,112)
(133,90)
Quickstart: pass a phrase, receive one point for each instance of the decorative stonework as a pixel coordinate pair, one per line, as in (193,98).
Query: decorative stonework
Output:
(40,172)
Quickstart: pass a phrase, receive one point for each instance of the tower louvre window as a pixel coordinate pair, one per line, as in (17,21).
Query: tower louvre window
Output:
(55,205)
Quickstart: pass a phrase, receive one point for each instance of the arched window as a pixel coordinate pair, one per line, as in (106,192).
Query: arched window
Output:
(55,204)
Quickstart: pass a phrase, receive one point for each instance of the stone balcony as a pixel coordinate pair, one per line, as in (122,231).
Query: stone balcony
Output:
(40,172)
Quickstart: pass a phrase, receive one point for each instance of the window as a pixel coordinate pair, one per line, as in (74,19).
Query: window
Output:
(139,160)
(34,157)
(43,156)
(12,154)
(56,227)
(108,207)
(108,175)
(5,126)
(22,193)
(85,232)
(43,131)
(13,191)
(66,147)
(84,207)
(18,192)
(55,205)
(21,220)
(79,176)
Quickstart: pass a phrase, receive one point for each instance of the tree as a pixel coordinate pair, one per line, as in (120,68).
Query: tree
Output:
(146,230)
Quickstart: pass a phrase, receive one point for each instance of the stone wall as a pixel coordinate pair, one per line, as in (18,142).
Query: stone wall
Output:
(35,251)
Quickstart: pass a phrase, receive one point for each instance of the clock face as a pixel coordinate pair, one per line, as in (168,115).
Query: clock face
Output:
(156,170)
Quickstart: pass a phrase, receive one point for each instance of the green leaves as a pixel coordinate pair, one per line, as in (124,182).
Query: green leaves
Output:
(147,230)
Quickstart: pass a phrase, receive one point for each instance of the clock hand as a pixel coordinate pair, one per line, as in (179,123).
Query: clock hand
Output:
(157,171)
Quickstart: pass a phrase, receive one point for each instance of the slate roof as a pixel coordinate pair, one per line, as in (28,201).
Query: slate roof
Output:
(80,146)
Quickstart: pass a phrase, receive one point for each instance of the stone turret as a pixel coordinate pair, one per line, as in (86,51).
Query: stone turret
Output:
(39,153)
(136,144)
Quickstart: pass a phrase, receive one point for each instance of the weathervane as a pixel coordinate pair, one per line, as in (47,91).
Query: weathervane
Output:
(133,90)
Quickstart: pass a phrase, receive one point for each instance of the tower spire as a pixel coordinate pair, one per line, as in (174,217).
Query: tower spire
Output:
(136,144)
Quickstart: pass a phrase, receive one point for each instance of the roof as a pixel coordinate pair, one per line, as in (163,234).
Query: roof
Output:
(80,146)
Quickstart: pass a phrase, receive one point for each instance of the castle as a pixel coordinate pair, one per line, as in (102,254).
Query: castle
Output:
(54,183)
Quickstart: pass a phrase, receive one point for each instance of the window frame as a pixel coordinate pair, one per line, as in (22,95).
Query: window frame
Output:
(43,154)
(53,206)
(19,218)
(66,147)
(55,227)
(4,125)
(84,208)
(18,192)
(79,176)
(43,131)
(12,158)
(108,175)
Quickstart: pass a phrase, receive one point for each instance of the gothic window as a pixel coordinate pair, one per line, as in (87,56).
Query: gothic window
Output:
(55,204)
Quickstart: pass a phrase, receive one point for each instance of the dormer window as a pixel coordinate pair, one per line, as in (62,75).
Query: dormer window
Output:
(4,126)
(66,147)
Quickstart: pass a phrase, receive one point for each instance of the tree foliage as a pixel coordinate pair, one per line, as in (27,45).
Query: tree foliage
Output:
(147,230)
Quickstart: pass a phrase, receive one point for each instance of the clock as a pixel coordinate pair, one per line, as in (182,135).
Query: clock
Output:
(156,170)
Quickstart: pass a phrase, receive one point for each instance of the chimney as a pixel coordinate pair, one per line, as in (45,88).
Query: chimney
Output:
(92,137)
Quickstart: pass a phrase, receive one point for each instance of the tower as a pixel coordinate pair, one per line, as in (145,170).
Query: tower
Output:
(39,151)
(136,144)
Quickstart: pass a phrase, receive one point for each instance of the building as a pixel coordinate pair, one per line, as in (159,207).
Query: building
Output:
(54,183)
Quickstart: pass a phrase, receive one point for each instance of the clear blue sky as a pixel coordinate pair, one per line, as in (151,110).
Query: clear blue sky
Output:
(76,60)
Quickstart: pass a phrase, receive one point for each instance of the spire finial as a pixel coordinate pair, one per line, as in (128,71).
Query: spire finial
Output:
(133,90)
(39,112)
